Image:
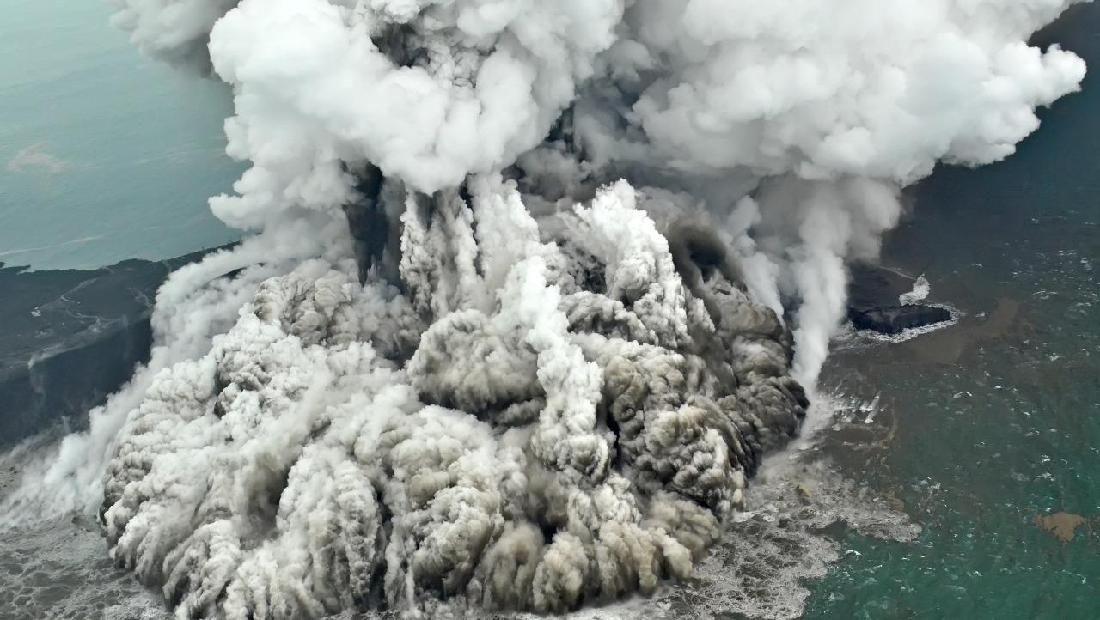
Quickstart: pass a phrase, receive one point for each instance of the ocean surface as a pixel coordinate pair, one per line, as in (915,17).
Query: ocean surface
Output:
(978,433)
(104,154)
(988,425)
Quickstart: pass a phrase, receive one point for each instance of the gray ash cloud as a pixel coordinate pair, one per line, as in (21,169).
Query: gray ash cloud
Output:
(461,365)
(525,427)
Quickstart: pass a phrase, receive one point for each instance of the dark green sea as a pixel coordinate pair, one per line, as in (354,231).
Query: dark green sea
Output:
(985,426)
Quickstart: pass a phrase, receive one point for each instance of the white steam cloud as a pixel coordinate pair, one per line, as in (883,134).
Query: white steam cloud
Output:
(515,381)
(542,418)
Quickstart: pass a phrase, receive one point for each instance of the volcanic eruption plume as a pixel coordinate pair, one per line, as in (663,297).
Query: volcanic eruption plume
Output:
(533,286)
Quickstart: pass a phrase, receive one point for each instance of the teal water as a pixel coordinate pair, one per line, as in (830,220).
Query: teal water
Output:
(104,155)
(987,425)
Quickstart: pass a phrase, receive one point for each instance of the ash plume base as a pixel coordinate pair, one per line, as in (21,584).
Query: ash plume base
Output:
(462,366)
(536,422)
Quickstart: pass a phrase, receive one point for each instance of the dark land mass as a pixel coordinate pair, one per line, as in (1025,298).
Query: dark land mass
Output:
(896,319)
(873,302)
(69,338)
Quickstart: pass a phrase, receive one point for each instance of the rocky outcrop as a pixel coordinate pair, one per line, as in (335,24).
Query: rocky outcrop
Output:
(873,294)
(896,319)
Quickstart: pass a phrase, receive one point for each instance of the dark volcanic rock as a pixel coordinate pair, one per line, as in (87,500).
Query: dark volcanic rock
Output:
(68,338)
(873,294)
(895,319)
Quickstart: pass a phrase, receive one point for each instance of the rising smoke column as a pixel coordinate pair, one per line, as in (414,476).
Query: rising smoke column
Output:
(546,388)
(532,424)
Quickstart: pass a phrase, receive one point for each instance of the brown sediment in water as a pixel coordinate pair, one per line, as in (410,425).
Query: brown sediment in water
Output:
(1061,525)
(948,345)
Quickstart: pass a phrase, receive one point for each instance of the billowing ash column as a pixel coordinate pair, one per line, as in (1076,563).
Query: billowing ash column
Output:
(547,415)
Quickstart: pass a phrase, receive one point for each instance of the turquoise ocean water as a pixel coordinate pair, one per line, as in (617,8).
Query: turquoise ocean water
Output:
(104,154)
